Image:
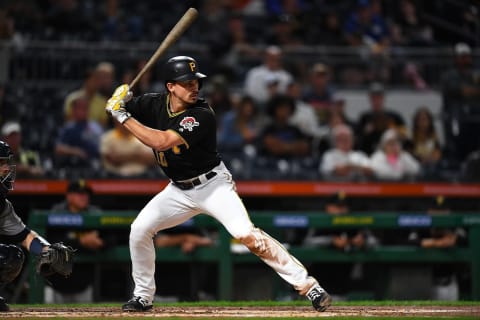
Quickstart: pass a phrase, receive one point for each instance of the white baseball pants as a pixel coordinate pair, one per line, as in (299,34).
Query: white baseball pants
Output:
(218,198)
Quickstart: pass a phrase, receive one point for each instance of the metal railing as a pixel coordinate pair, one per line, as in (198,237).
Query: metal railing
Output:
(59,63)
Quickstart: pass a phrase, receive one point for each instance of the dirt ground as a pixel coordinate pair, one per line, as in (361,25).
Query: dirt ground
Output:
(245,312)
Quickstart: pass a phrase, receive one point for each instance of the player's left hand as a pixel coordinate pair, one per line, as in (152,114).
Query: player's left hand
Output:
(116,104)
(57,258)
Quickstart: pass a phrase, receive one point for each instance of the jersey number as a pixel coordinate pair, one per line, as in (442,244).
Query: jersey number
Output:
(161,159)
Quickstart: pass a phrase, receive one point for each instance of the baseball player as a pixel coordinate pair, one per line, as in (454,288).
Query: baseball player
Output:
(181,129)
(13,231)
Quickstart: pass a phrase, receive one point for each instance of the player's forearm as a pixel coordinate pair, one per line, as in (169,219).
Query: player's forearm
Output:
(155,139)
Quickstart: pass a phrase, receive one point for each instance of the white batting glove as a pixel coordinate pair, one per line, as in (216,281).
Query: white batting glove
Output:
(120,114)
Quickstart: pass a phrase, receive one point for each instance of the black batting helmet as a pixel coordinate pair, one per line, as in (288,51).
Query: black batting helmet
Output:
(181,68)
(7,177)
(11,262)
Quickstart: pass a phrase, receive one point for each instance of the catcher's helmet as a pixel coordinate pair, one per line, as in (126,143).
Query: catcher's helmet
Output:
(181,68)
(11,262)
(8,169)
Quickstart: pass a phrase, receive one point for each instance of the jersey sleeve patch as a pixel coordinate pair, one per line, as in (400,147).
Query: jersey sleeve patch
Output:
(188,123)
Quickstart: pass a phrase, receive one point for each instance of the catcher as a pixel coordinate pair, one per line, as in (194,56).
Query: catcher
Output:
(51,258)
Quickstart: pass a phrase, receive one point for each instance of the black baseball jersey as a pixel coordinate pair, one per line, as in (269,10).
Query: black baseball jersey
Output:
(196,126)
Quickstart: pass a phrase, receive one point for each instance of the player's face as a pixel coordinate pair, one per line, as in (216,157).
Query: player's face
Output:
(186,91)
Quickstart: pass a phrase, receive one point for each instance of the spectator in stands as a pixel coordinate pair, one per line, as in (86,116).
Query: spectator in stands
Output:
(329,31)
(304,116)
(319,93)
(342,162)
(78,287)
(95,100)
(391,162)
(446,286)
(218,95)
(240,46)
(425,145)
(461,105)
(123,155)
(258,78)
(106,78)
(284,31)
(279,139)
(28,163)
(78,140)
(409,28)
(374,122)
(365,26)
(337,115)
(239,127)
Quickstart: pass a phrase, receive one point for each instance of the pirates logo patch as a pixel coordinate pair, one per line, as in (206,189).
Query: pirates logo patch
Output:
(188,123)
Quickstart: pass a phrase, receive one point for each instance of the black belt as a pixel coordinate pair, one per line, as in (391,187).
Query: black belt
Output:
(187,185)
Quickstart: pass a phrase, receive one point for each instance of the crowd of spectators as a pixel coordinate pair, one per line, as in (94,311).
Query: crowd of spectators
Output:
(282,119)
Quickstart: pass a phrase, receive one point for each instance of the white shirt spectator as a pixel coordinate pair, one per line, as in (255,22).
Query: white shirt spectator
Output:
(341,161)
(258,78)
(391,162)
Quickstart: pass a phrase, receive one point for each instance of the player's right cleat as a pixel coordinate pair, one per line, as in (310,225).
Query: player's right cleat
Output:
(320,299)
(3,305)
(137,304)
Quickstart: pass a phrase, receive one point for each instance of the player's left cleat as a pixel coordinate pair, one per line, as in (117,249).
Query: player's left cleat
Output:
(320,299)
(3,305)
(137,304)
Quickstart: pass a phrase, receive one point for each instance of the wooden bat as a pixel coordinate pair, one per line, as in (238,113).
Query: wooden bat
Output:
(179,28)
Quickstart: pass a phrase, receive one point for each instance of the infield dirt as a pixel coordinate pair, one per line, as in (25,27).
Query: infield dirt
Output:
(280,312)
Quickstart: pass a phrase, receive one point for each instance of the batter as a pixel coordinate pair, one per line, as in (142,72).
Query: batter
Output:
(181,129)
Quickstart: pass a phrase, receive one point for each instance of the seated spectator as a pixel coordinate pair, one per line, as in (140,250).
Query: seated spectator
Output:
(123,155)
(374,122)
(279,139)
(409,27)
(271,68)
(304,116)
(78,140)
(319,92)
(342,162)
(90,91)
(425,146)
(239,127)
(28,163)
(106,78)
(391,161)
(461,104)
(365,26)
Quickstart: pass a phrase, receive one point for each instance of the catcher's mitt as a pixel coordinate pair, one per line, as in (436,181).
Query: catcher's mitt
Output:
(58,258)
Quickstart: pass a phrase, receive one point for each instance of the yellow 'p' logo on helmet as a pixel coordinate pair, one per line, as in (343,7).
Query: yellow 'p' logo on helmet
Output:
(192,66)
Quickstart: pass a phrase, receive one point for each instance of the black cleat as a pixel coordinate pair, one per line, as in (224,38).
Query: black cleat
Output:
(320,299)
(137,304)
(3,305)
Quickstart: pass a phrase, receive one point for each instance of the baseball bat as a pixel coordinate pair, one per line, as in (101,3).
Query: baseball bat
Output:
(179,28)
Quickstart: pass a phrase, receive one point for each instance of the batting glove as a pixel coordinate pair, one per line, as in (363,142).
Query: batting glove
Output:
(120,114)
